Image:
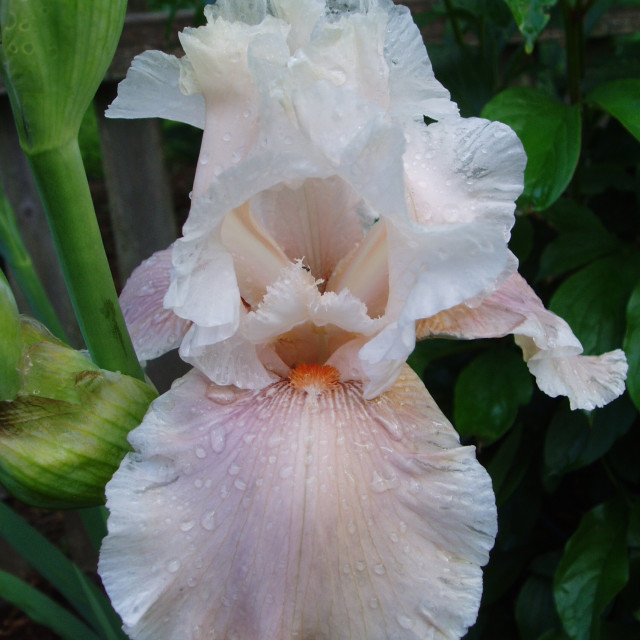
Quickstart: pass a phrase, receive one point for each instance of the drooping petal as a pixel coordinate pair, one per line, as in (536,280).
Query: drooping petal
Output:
(549,347)
(152,90)
(154,330)
(293,512)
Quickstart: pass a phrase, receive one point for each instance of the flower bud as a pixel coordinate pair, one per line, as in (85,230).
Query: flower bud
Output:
(10,345)
(65,433)
(53,56)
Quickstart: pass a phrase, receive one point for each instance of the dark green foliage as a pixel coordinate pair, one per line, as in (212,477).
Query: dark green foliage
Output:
(566,564)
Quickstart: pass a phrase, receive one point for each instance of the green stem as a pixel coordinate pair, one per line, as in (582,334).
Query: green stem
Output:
(17,257)
(65,192)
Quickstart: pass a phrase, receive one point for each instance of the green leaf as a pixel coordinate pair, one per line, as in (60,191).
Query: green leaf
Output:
(632,345)
(572,442)
(573,250)
(10,342)
(531,16)
(550,132)
(594,300)
(621,99)
(42,609)
(509,464)
(488,393)
(535,612)
(60,572)
(593,569)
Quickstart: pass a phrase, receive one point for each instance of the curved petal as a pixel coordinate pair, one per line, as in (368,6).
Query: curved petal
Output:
(152,90)
(463,170)
(297,512)
(413,88)
(154,330)
(549,347)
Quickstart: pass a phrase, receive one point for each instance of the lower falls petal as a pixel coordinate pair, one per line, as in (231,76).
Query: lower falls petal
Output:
(296,512)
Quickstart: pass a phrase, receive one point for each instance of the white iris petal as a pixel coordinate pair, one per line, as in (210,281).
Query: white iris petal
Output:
(300,482)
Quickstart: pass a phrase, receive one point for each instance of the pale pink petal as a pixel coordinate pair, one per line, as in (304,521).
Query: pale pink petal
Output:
(217,66)
(284,513)
(464,170)
(588,381)
(549,347)
(154,330)
(304,221)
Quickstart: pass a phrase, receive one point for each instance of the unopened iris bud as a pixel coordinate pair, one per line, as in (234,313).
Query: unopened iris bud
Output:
(10,345)
(53,55)
(64,435)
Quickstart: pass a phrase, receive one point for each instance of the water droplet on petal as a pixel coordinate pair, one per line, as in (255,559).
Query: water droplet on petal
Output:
(233,469)
(173,565)
(221,395)
(201,452)
(285,472)
(227,136)
(379,569)
(373,603)
(404,621)
(218,439)
(360,566)
(208,521)
(204,158)
(187,525)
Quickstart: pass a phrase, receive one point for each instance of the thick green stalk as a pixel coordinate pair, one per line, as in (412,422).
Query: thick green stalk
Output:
(65,192)
(17,257)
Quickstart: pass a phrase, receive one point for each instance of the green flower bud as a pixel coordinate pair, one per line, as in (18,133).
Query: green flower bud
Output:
(64,435)
(10,344)
(53,56)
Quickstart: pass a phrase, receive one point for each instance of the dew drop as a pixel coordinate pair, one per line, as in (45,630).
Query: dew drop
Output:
(379,570)
(201,452)
(208,522)
(227,136)
(197,483)
(360,566)
(285,472)
(346,569)
(373,603)
(173,565)
(239,484)
(204,158)
(27,48)
(394,537)
(221,395)
(218,439)
(233,469)
(404,621)
(351,528)
(187,525)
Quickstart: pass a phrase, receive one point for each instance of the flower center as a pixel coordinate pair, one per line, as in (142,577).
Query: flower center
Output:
(314,377)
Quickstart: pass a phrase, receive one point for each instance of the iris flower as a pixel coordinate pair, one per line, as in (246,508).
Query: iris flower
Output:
(299,481)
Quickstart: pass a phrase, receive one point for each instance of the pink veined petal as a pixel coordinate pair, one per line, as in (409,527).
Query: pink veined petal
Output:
(154,330)
(549,347)
(304,221)
(288,512)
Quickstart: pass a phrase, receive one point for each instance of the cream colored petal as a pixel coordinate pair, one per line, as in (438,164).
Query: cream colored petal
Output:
(318,222)
(218,68)
(280,513)
(154,330)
